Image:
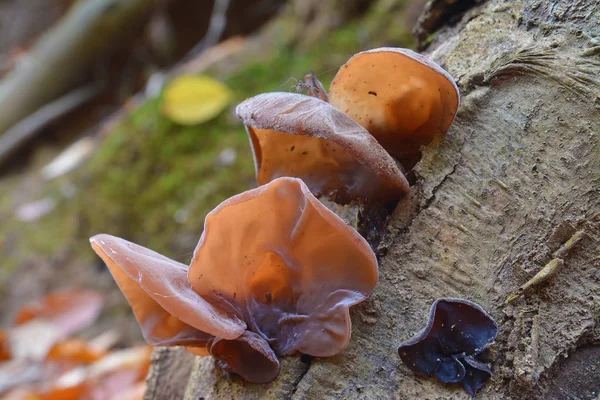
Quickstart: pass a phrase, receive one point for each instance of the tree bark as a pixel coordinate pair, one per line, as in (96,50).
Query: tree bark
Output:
(516,177)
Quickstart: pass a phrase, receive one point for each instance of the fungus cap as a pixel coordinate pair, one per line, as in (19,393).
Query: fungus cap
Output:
(401,97)
(249,356)
(167,309)
(456,332)
(288,263)
(305,137)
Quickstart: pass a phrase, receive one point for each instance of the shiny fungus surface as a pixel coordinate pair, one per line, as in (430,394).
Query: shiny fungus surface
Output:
(458,330)
(401,97)
(291,266)
(305,137)
(167,309)
(274,273)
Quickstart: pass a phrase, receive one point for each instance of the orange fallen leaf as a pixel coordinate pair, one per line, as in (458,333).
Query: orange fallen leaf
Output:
(74,350)
(5,353)
(68,393)
(70,311)
(111,377)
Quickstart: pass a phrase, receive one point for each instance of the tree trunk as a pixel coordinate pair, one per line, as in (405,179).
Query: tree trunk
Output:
(516,177)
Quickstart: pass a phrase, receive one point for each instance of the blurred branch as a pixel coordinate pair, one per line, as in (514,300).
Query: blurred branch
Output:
(216,27)
(63,55)
(210,56)
(29,126)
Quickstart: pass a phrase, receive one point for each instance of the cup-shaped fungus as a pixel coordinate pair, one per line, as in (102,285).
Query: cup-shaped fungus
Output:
(274,273)
(457,331)
(382,101)
(305,137)
(401,97)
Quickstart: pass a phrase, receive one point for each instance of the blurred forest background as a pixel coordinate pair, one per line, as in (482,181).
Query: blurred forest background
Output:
(117,116)
(91,141)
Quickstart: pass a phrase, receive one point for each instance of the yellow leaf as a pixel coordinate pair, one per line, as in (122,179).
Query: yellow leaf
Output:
(192,99)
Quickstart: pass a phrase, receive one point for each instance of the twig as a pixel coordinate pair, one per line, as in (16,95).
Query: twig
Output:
(216,27)
(549,269)
(210,56)
(210,42)
(29,126)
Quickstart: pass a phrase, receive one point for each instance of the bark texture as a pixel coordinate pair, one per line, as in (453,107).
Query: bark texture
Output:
(516,177)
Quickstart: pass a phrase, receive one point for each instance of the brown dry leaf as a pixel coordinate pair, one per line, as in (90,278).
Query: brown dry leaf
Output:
(192,100)
(74,350)
(70,311)
(107,378)
(5,353)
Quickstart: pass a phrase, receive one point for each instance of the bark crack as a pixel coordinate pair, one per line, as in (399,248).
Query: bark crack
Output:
(438,186)
(432,197)
(297,381)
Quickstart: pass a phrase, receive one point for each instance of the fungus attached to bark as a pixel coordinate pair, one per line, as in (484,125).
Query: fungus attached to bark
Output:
(275,272)
(382,103)
(457,331)
(304,137)
(402,98)
(292,267)
(249,356)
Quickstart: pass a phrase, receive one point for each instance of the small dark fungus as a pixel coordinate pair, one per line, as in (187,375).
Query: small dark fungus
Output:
(477,373)
(457,331)
(313,87)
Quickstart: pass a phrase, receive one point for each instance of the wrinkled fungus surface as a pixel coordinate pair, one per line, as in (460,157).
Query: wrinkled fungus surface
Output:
(384,102)
(287,264)
(274,273)
(302,136)
(457,331)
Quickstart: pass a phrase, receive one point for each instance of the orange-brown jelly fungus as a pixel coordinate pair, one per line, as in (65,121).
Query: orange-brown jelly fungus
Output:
(275,272)
(383,102)
(304,137)
(292,266)
(169,312)
(401,97)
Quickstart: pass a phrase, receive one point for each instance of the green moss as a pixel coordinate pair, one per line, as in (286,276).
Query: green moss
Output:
(149,171)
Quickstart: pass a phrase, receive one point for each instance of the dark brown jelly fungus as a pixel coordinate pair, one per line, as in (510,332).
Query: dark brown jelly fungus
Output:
(458,330)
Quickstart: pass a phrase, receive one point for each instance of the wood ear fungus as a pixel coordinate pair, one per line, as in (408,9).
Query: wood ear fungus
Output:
(274,273)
